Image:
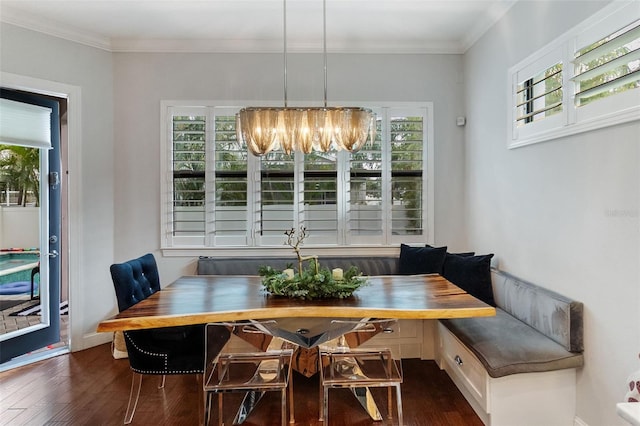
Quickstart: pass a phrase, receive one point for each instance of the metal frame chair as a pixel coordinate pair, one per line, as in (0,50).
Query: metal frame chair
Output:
(361,368)
(229,369)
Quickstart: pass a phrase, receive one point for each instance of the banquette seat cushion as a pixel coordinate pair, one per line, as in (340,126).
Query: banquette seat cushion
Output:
(505,345)
(534,329)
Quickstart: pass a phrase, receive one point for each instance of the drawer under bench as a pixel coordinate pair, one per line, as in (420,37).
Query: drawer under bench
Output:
(522,399)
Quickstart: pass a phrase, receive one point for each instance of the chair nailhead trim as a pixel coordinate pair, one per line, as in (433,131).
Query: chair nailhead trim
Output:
(147,352)
(166,368)
(166,372)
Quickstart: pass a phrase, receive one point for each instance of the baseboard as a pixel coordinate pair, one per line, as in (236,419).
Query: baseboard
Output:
(90,340)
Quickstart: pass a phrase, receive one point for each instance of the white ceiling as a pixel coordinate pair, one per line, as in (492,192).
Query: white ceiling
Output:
(368,26)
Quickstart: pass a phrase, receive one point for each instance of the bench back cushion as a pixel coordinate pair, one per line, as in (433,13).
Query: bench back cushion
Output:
(376,265)
(552,314)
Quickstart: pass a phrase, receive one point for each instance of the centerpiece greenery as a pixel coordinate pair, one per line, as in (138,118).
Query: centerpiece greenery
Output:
(312,282)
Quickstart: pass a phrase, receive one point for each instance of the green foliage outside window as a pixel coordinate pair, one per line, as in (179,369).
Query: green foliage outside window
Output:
(625,68)
(20,172)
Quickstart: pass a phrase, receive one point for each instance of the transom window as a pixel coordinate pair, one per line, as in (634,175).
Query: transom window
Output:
(540,96)
(584,80)
(217,195)
(609,66)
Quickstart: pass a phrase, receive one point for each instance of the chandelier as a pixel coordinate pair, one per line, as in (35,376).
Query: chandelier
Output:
(305,129)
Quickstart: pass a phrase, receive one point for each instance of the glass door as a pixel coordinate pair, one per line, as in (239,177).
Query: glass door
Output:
(29,222)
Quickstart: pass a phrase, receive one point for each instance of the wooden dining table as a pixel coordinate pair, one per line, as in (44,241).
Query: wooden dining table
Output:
(202,299)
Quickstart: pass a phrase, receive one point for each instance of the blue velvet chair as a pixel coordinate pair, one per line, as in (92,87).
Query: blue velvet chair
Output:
(159,351)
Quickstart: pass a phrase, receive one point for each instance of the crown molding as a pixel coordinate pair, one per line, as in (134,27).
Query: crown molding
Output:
(482,26)
(127,45)
(266,46)
(30,22)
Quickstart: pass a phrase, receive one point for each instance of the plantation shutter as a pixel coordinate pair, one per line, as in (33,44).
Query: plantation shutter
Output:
(217,195)
(407,161)
(539,96)
(366,189)
(319,201)
(276,198)
(609,66)
(229,197)
(188,161)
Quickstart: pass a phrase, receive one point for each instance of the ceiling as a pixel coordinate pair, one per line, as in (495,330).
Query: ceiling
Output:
(353,26)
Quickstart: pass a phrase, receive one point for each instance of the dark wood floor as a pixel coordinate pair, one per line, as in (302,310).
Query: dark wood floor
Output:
(91,388)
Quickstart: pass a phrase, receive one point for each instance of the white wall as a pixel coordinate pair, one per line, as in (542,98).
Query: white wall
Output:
(564,213)
(143,80)
(40,56)
(116,184)
(19,227)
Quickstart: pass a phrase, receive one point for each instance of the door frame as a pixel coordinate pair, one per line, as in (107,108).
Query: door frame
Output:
(71,154)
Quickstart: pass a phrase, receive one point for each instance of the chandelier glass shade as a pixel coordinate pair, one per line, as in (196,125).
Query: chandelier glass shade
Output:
(304,129)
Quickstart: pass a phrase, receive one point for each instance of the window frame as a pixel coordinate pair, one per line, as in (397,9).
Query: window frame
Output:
(198,246)
(609,111)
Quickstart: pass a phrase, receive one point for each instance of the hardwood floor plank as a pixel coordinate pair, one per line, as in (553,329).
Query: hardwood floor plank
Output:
(91,388)
(10,414)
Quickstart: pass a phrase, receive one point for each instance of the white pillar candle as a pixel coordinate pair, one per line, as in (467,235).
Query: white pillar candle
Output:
(288,273)
(337,274)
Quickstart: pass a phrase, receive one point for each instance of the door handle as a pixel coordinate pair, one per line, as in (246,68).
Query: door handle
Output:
(53,254)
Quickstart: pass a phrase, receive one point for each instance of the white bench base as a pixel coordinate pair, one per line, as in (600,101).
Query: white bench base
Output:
(526,399)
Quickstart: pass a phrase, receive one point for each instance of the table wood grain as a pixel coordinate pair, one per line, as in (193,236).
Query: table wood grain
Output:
(201,299)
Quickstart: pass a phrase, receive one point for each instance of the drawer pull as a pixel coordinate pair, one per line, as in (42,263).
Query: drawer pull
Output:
(458,360)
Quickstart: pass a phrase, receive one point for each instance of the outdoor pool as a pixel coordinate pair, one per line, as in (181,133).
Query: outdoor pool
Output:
(17,266)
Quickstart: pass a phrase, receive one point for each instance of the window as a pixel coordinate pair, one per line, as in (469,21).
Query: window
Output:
(587,79)
(188,135)
(216,195)
(609,66)
(540,96)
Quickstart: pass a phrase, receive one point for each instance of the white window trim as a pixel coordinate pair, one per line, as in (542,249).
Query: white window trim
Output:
(196,249)
(574,120)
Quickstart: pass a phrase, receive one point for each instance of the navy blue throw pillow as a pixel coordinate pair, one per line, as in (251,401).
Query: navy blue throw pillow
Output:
(472,274)
(464,253)
(421,260)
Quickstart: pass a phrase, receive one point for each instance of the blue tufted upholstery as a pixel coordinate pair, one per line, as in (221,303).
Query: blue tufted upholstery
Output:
(169,350)
(162,351)
(135,280)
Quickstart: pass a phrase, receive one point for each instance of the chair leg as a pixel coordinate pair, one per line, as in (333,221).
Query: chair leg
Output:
(161,385)
(399,402)
(325,406)
(208,396)
(131,410)
(220,410)
(321,402)
(283,407)
(292,417)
